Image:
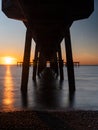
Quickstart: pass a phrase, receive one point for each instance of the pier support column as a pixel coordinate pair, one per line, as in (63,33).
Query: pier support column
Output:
(26,60)
(60,63)
(69,58)
(54,64)
(35,63)
(41,64)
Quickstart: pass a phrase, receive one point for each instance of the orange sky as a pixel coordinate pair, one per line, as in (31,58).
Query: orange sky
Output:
(84,58)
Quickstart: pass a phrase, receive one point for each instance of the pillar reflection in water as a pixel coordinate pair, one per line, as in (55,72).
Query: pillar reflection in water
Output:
(8,95)
(50,93)
(71,99)
(24,99)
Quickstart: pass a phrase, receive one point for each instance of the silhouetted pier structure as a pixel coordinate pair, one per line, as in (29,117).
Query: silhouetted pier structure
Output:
(48,22)
(76,63)
(20,63)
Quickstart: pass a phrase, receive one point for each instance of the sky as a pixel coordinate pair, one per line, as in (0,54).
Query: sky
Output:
(84,38)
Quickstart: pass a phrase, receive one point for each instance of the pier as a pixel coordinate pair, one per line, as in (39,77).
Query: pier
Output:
(20,63)
(75,63)
(48,22)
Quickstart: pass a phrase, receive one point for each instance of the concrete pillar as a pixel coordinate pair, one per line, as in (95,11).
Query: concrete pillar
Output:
(60,63)
(69,58)
(54,64)
(35,63)
(26,60)
(41,63)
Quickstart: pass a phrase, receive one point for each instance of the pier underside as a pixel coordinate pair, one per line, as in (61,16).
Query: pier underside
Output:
(48,22)
(51,53)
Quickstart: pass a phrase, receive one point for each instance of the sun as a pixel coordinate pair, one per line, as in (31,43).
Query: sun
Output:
(9,60)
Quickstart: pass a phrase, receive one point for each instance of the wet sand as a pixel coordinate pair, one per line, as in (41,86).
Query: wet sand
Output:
(50,120)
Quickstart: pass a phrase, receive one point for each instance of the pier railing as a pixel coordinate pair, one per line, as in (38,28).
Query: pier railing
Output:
(20,63)
(76,63)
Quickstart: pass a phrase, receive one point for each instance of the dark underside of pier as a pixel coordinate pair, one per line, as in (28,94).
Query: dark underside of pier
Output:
(48,22)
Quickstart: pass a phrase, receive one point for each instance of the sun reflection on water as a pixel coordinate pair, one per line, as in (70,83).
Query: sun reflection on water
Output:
(8,95)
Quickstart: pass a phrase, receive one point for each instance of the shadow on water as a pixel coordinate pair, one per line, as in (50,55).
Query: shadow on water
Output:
(48,93)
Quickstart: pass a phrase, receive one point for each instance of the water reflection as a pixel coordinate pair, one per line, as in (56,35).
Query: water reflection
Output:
(71,99)
(48,93)
(8,95)
(24,98)
(51,94)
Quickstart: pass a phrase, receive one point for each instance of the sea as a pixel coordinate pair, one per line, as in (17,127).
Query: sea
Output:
(50,97)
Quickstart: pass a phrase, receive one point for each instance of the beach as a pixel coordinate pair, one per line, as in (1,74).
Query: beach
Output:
(50,120)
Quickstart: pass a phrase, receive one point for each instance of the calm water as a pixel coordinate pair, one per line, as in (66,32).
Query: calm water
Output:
(49,96)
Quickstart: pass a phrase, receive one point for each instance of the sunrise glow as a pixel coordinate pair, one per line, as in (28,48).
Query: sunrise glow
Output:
(8,60)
